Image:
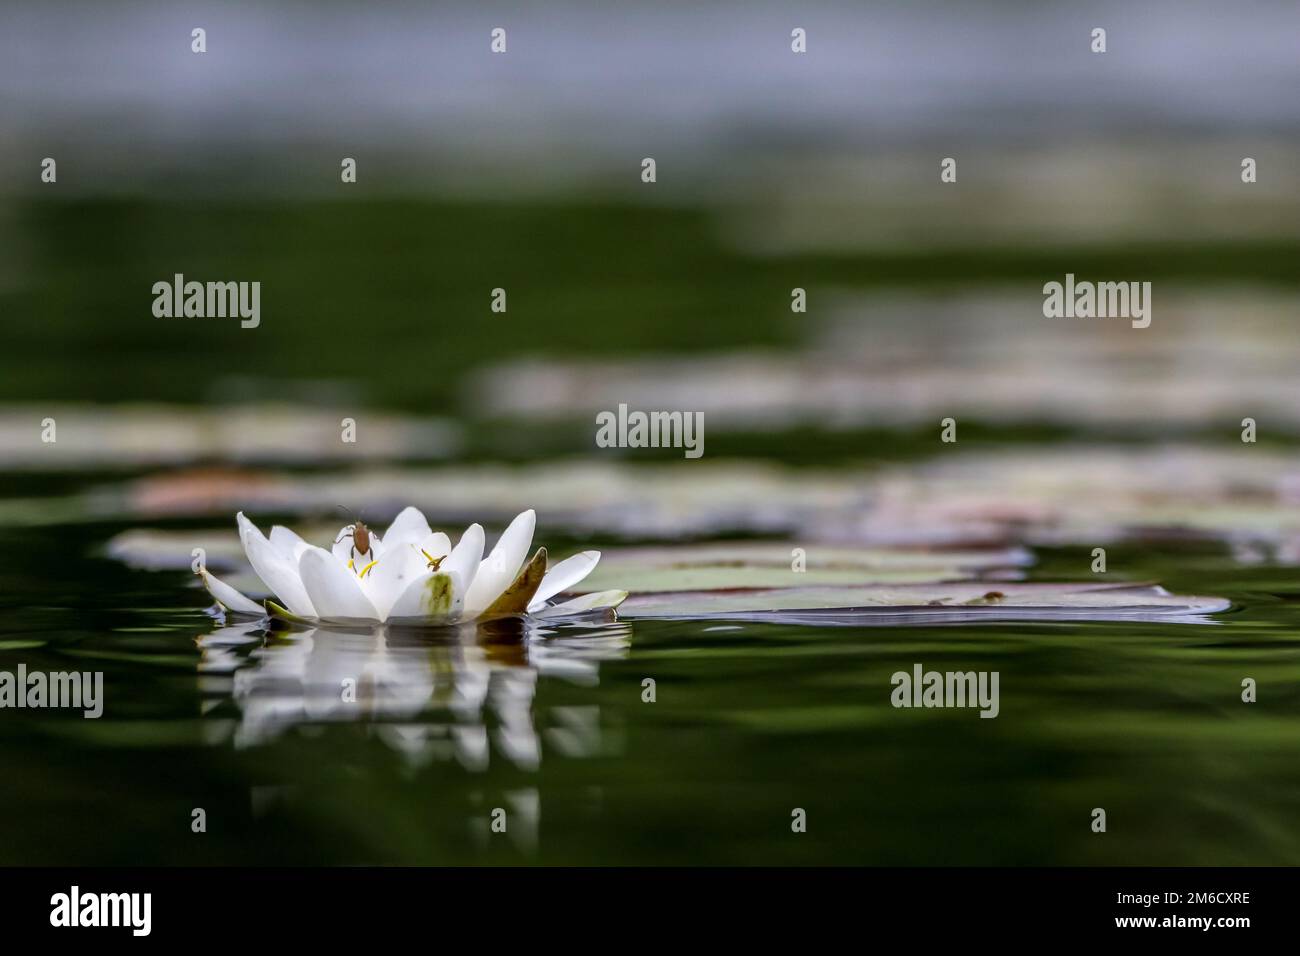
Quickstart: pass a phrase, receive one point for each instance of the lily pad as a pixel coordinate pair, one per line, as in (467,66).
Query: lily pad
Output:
(761,564)
(928,604)
(131,436)
(985,498)
(148,549)
(907,360)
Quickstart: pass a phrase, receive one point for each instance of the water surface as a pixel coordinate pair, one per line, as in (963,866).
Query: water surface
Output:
(749,723)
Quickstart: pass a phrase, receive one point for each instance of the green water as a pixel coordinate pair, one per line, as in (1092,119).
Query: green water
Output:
(749,722)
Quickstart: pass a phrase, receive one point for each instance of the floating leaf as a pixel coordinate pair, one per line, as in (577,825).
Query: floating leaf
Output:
(152,550)
(758,564)
(991,498)
(871,360)
(929,604)
(111,436)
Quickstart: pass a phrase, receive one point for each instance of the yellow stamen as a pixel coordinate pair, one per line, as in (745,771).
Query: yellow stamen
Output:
(362,574)
(433,562)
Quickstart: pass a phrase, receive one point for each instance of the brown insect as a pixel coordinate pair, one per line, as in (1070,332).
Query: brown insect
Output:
(359,534)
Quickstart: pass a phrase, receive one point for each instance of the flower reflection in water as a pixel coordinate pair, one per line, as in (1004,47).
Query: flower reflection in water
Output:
(448,693)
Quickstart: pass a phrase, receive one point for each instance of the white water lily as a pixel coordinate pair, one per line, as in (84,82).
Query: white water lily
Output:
(409,575)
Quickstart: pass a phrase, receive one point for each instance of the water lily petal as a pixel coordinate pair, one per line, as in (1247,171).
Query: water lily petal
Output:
(437,544)
(499,569)
(228,597)
(288,543)
(464,559)
(334,590)
(409,527)
(563,576)
(432,598)
(515,598)
(585,602)
(276,572)
(391,575)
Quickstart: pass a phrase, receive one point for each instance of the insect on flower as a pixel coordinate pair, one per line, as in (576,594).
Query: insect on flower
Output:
(359,534)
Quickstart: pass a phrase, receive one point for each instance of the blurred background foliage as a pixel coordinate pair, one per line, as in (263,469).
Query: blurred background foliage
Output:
(522,171)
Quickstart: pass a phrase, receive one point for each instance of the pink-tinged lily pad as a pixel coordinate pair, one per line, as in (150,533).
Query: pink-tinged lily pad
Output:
(967,602)
(763,564)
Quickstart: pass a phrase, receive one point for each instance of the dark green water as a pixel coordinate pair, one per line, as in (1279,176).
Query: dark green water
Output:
(749,723)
